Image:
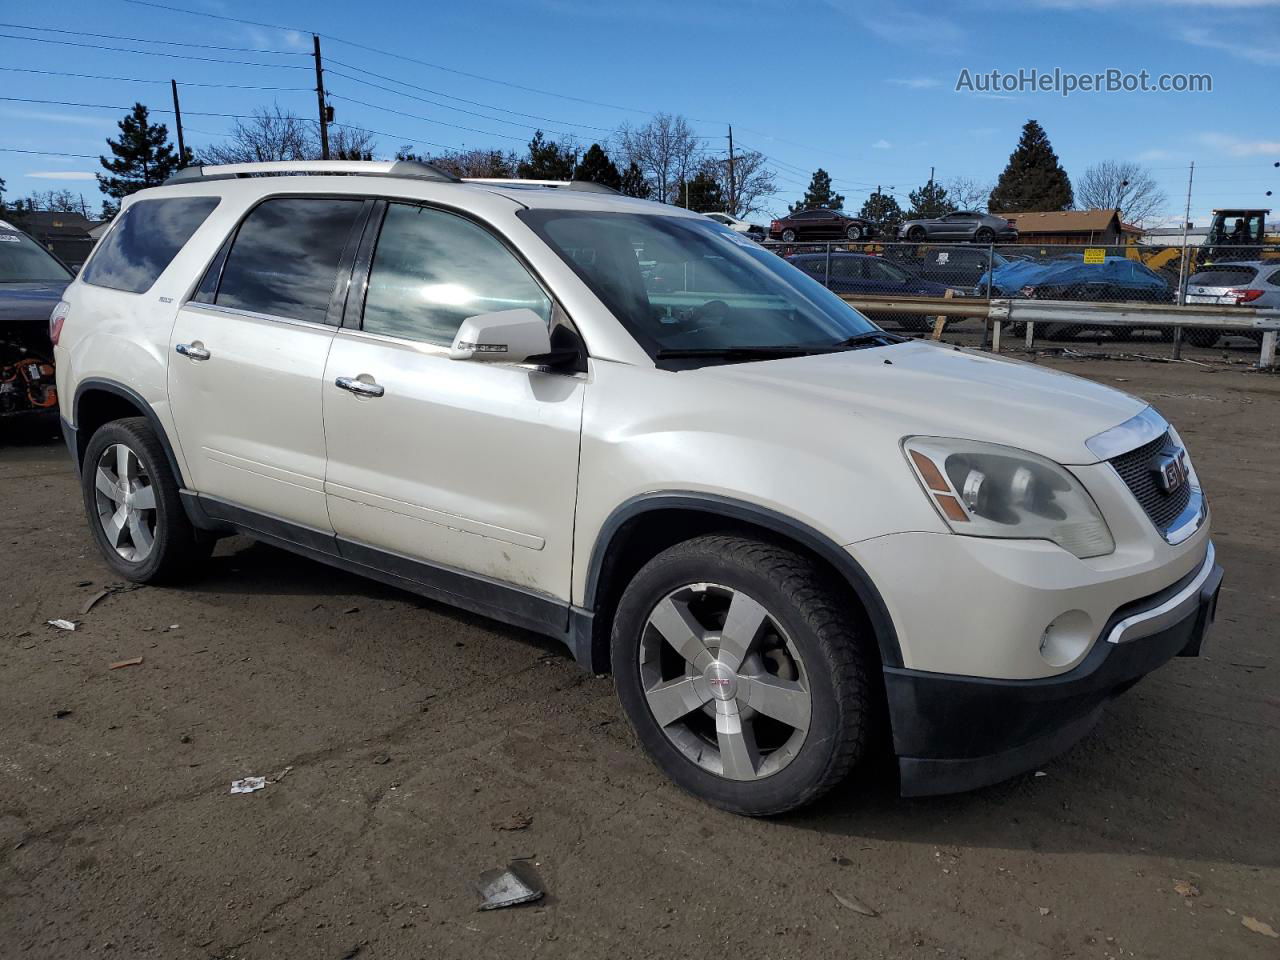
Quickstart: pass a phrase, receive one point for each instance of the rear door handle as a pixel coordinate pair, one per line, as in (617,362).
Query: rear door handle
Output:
(359,387)
(193,351)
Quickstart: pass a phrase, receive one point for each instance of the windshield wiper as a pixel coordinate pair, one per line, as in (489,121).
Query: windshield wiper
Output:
(740,352)
(871,338)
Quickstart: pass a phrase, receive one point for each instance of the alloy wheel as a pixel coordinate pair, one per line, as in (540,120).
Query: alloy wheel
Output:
(126,502)
(724,682)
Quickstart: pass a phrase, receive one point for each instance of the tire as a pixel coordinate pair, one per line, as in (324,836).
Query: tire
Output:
(147,544)
(806,652)
(915,322)
(916,234)
(854,232)
(983,235)
(1199,337)
(788,236)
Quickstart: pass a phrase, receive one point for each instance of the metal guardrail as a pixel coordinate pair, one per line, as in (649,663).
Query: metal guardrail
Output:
(1000,311)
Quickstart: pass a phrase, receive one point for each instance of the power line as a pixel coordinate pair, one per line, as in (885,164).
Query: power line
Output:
(155,53)
(170,43)
(49,153)
(185,83)
(443,123)
(112,106)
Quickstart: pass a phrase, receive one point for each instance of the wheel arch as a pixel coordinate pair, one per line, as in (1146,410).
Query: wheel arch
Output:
(643,526)
(98,401)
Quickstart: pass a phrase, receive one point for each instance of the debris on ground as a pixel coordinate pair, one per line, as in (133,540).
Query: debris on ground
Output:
(131,662)
(382,759)
(1257,926)
(60,713)
(1185,888)
(62,624)
(854,904)
(248,784)
(351,610)
(88,604)
(1045,911)
(517,821)
(506,888)
(281,775)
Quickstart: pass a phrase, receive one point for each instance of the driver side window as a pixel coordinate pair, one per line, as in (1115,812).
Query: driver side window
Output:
(431,270)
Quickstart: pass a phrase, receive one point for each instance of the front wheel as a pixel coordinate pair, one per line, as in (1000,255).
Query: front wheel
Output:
(854,232)
(739,667)
(983,235)
(915,234)
(134,511)
(1200,337)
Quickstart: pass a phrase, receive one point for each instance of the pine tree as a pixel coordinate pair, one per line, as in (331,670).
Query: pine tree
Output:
(882,209)
(547,160)
(819,194)
(929,201)
(633,182)
(596,167)
(1034,179)
(142,157)
(701,193)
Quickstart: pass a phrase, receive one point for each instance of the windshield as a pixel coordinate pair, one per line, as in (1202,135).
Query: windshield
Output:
(22,260)
(679,284)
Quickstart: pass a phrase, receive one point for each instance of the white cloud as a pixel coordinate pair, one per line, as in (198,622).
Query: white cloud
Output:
(882,145)
(916,83)
(906,28)
(1147,156)
(62,175)
(1266,54)
(45,116)
(1241,148)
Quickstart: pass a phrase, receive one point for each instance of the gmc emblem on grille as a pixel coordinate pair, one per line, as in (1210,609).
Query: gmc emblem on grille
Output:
(1169,469)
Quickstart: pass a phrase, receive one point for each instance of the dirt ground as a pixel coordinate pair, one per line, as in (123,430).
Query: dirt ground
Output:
(414,736)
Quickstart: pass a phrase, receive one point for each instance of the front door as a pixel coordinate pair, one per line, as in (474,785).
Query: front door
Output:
(248,357)
(453,465)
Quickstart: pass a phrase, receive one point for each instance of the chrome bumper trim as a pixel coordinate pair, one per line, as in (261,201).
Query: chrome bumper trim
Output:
(1182,604)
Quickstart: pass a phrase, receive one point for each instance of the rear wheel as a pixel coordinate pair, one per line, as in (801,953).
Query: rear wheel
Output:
(983,235)
(738,665)
(1199,337)
(134,511)
(789,236)
(915,234)
(854,232)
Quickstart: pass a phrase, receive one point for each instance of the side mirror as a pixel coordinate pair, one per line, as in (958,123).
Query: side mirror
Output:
(507,336)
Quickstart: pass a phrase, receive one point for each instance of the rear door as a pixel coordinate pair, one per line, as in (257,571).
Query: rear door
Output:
(453,465)
(248,356)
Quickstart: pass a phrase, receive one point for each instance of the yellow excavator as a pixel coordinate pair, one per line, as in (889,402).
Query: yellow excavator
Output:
(1234,234)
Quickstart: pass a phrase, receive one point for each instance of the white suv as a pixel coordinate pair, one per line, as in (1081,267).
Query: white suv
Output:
(788,534)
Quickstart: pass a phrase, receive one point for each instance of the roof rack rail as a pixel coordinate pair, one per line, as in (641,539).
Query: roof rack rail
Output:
(414,169)
(582,186)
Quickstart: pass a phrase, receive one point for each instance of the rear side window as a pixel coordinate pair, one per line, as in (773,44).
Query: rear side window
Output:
(149,235)
(284,259)
(433,269)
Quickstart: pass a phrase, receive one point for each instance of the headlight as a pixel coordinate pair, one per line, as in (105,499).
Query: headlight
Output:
(988,490)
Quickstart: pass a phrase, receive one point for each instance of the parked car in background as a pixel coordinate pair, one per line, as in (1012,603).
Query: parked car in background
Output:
(871,275)
(31,283)
(753,230)
(959,267)
(1250,283)
(961,225)
(821,224)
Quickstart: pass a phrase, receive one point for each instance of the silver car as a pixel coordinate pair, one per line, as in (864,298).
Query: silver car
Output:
(1247,283)
(961,225)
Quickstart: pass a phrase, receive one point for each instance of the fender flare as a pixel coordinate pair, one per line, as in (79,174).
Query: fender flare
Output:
(127,393)
(826,548)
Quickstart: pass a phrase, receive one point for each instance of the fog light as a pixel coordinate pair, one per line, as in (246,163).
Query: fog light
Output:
(1066,639)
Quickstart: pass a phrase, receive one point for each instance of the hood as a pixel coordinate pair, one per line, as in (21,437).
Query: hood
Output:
(29,302)
(929,389)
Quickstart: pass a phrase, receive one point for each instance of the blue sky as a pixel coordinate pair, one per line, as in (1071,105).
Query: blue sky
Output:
(865,91)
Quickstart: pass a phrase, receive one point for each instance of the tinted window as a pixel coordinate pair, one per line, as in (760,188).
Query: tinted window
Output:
(1274,279)
(1223,277)
(433,269)
(145,240)
(284,260)
(22,259)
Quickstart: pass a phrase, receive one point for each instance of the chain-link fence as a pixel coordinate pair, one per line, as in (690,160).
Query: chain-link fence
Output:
(876,272)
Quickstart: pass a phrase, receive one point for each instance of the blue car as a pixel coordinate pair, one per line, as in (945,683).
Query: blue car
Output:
(861,273)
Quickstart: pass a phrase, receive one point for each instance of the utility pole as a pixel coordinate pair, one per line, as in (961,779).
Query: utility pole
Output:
(733,190)
(324,117)
(177,123)
(1186,222)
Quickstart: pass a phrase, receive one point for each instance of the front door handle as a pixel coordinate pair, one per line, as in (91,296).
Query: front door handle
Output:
(359,387)
(193,351)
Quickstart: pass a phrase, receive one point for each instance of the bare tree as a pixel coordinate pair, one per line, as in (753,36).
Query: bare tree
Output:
(350,143)
(753,181)
(968,193)
(1121,185)
(57,201)
(271,135)
(468,163)
(665,149)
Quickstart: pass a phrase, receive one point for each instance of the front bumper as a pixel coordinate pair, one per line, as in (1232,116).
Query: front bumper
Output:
(953,733)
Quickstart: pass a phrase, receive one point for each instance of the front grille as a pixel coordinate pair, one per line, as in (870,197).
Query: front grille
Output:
(1137,470)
